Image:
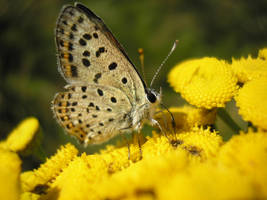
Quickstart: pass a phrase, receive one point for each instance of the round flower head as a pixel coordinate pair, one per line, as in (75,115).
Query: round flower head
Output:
(205,83)
(247,69)
(251,100)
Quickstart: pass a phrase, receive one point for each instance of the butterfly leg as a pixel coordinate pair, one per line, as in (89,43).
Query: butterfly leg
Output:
(128,145)
(155,122)
(138,132)
(139,145)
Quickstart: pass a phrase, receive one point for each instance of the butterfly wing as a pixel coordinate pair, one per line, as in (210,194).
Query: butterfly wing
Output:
(89,53)
(104,86)
(91,113)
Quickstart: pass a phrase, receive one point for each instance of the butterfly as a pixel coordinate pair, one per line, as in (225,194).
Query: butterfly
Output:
(105,95)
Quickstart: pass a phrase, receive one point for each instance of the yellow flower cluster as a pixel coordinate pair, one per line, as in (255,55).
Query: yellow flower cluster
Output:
(187,160)
(210,83)
(192,164)
(110,174)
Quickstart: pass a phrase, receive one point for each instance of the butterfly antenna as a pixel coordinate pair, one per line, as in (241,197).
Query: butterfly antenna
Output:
(159,68)
(141,58)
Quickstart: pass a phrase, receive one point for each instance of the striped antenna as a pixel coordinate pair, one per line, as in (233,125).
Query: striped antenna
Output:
(159,68)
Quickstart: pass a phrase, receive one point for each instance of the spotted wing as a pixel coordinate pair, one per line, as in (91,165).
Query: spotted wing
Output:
(89,54)
(92,113)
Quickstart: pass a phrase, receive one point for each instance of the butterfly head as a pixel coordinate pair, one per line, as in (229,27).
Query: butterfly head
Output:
(153,96)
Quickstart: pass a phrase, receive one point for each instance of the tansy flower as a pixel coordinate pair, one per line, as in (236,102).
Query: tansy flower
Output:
(199,143)
(9,175)
(251,101)
(247,153)
(45,174)
(247,69)
(205,83)
(186,117)
(20,138)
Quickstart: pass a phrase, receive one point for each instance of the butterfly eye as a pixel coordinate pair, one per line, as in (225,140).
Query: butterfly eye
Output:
(151,97)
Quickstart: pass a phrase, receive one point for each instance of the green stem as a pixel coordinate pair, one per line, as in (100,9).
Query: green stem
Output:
(226,118)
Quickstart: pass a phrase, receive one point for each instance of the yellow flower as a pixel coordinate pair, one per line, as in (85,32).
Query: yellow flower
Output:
(144,179)
(19,139)
(82,176)
(9,175)
(187,160)
(248,154)
(186,117)
(251,100)
(74,182)
(205,83)
(207,181)
(45,174)
(198,143)
(247,69)
(103,175)
(262,54)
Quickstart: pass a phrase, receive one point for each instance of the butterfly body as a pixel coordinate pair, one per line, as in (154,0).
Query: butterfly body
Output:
(105,95)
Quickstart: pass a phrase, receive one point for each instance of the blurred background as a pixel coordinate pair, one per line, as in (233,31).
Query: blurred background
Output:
(28,69)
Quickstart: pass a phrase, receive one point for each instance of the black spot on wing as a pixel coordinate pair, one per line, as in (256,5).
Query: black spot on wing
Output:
(86,62)
(100,92)
(82,42)
(86,53)
(74,72)
(113,99)
(74,27)
(95,35)
(112,66)
(97,76)
(124,80)
(87,36)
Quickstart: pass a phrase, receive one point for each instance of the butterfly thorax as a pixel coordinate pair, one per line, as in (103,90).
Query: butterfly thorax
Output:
(144,113)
